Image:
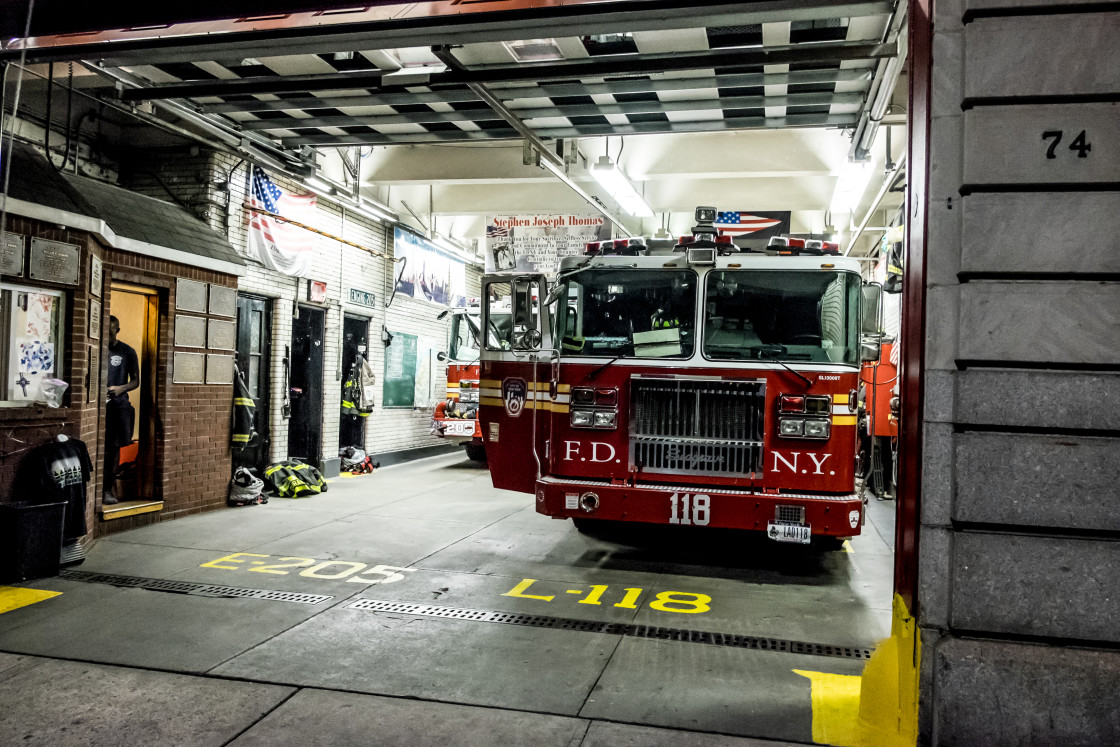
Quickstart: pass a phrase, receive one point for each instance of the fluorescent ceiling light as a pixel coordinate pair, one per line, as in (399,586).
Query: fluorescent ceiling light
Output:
(534,50)
(850,187)
(321,186)
(453,248)
(362,211)
(611,178)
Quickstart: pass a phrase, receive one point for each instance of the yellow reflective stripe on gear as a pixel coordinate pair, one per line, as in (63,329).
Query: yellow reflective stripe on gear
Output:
(348,404)
(240,439)
(243,401)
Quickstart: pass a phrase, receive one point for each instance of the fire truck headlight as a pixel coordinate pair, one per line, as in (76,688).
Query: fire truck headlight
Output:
(583,396)
(791,427)
(605,420)
(583,418)
(817,429)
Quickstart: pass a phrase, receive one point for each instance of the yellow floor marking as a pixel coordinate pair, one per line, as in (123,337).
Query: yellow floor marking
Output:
(879,708)
(835,707)
(14,597)
(848,546)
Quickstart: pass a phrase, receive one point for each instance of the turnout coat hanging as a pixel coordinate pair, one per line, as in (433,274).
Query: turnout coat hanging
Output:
(357,392)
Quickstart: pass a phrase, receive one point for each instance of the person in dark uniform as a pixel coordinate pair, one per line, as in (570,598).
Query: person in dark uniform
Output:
(124,376)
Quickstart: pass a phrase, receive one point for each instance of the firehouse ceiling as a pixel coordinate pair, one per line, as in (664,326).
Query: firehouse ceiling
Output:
(741,105)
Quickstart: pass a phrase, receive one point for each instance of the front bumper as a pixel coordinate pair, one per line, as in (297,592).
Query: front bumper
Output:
(828,515)
(458,430)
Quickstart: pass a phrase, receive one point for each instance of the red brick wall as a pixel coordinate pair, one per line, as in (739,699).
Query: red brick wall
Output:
(192,453)
(191,445)
(22,428)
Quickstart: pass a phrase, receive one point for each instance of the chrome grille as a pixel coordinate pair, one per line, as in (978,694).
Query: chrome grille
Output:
(697,426)
(790,514)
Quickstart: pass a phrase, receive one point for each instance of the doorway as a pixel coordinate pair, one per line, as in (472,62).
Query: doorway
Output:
(305,386)
(355,333)
(254,351)
(137,309)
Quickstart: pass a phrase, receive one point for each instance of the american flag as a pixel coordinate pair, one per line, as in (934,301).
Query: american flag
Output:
(737,223)
(277,244)
(496,232)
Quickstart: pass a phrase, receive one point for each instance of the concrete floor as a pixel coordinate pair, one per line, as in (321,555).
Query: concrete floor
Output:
(101,664)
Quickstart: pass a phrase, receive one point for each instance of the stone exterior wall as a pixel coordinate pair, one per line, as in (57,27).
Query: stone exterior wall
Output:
(1020,540)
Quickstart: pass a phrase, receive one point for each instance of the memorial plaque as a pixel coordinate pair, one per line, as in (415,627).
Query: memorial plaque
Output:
(219,369)
(11,254)
(54,261)
(190,331)
(221,335)
(96,276)
(190,368)
(223,300)
(190,295)
(93,380)
(95,319)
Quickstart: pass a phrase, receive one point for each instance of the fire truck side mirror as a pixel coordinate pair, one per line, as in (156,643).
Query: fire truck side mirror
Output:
(441,356)
(872,309)
(870,351)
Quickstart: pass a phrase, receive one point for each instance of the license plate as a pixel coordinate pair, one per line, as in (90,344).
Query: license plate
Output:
(461,428)
(798,533)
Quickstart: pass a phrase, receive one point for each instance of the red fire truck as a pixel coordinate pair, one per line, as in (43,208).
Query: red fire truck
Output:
(702,385)
(456,418)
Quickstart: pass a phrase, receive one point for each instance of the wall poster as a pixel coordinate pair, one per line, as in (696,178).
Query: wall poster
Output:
(429,273)
(536,243)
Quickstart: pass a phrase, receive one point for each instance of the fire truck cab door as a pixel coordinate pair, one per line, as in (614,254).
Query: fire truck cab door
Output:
(515,373)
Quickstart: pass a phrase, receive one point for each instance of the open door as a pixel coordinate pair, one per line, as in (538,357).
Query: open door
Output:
(515,372)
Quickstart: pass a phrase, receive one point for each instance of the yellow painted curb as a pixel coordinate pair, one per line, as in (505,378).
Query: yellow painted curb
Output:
(880,707)
(835,707)
(14,597)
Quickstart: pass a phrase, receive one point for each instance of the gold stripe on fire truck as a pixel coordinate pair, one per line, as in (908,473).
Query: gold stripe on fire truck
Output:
(843,419)
(529,404)
(840,399)
(540,385)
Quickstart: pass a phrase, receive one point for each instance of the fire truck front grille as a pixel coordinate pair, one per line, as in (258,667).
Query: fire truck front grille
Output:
(697,426)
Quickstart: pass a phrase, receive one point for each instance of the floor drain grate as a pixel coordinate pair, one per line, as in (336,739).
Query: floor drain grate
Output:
(776,645)
(194,589)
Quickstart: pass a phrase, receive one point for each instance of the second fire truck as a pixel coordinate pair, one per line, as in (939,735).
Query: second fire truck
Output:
(704,385)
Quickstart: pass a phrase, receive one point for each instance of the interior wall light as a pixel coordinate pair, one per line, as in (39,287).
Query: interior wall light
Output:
(618,186)
(851,185)
(320,186)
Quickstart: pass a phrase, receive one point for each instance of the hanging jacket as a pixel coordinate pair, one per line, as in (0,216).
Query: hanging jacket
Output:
(357,391)
(243,413)
(292,479)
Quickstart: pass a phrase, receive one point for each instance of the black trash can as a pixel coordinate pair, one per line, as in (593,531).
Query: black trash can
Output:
(30,539)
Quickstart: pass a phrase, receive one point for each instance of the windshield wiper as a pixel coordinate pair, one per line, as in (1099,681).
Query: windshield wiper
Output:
(762,350)
(595,373)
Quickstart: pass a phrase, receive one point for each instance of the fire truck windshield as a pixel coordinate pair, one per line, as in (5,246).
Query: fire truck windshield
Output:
(629,312)
(782,315)
(464,338)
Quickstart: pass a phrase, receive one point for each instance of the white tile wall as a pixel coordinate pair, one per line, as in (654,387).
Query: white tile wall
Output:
(341,267)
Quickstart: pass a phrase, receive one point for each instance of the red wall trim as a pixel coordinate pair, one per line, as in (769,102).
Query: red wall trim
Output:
(914,307)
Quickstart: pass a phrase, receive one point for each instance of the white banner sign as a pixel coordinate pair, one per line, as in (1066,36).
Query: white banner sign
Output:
(536,243)
(428,274)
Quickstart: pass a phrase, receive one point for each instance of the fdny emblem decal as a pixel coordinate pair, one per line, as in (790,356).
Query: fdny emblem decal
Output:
(853,518)
(513,395)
